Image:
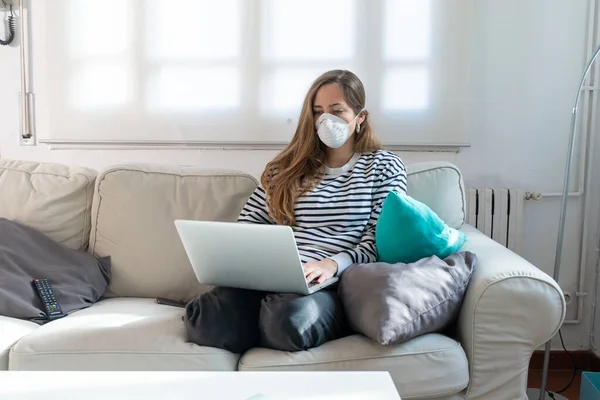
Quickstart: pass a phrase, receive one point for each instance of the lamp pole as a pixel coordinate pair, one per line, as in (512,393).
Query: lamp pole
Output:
(563,214)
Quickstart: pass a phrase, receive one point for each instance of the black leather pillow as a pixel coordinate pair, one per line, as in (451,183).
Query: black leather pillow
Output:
(77,278)
(392,303)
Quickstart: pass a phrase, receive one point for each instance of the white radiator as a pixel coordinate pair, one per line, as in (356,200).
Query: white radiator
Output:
(498,213)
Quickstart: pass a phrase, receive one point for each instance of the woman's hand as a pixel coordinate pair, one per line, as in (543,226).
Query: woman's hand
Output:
(320,271)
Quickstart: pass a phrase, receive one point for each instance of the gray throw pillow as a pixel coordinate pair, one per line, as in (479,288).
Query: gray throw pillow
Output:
(392,303)
(77,278)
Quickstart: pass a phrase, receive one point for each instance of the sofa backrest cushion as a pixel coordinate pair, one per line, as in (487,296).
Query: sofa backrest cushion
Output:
(439,185)
(52,198)
(133,216)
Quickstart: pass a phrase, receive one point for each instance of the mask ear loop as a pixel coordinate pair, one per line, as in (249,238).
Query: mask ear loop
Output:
(358,123)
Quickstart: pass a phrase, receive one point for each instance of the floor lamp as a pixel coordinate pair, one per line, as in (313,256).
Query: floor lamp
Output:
(541,392)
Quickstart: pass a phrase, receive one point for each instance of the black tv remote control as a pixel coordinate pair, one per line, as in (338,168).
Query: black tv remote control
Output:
(44,289)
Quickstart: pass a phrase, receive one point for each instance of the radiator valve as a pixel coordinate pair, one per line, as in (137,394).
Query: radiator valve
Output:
(533,196)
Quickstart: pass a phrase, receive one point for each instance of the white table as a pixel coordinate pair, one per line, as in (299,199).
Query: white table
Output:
(197,385)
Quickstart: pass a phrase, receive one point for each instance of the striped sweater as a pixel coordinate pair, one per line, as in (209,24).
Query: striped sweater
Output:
(337,218)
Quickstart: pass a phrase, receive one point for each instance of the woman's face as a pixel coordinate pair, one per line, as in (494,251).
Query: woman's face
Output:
(330,99)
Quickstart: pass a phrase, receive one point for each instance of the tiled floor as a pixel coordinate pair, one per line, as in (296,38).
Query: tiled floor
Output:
(556,381)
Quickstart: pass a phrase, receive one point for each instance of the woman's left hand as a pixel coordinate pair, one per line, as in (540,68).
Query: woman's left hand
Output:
(320,271)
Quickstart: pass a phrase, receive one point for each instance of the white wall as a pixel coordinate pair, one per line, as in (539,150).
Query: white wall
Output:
(529,59)
(594,238)
(594,242)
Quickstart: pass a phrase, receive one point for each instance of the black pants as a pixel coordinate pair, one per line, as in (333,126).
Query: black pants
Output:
(238,319)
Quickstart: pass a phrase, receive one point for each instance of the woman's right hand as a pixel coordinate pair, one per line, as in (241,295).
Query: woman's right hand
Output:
(320,271)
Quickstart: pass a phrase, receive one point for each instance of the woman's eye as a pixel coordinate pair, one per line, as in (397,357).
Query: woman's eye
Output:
(318,112)
(338,112)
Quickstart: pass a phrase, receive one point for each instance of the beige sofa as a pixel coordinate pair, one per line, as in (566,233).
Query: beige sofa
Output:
(127,212)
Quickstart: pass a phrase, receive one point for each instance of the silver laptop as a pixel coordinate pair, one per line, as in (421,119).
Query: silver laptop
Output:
(247,256)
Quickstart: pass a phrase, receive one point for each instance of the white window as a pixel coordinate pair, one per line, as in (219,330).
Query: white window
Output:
(237,71)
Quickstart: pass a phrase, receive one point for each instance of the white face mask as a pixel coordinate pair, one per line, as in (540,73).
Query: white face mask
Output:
(332,130)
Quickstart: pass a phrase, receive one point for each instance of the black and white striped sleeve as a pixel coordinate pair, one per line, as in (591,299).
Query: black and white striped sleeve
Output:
(255,210)
(393,179)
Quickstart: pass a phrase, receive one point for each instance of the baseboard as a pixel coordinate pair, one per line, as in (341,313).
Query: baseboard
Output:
(560,360)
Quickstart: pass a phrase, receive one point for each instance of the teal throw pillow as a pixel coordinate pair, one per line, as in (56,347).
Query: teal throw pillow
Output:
(408,230)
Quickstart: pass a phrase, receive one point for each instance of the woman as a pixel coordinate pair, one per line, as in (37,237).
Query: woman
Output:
(328,185)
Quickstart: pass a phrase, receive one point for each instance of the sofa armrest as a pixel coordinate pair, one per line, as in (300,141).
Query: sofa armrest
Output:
(510,308)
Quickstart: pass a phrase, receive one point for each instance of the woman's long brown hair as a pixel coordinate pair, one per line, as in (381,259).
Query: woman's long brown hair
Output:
(298,168)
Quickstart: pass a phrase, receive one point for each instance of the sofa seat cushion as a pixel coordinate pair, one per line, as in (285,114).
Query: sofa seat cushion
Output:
(428,366)
(11,330)
(118,334)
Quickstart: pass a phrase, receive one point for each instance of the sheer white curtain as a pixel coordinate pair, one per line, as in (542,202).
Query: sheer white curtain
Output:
(236,71)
